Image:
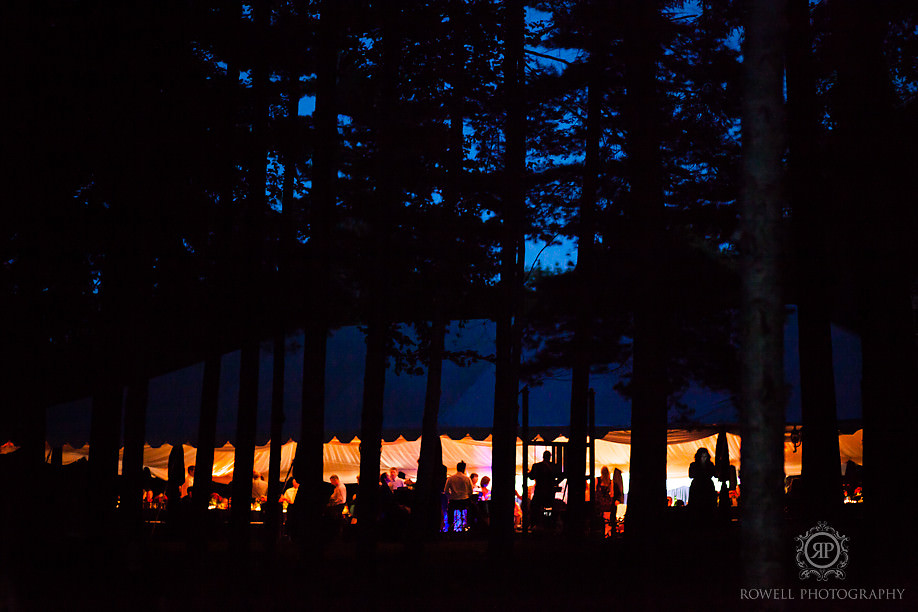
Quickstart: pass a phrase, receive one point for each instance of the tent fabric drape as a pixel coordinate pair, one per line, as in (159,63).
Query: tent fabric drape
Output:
(343,458)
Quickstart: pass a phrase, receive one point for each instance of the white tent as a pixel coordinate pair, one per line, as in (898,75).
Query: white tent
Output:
(613,450)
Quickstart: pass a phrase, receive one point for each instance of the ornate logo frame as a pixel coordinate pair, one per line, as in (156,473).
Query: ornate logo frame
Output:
(839,559)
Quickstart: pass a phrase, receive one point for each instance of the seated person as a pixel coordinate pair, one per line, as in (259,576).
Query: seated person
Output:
(289,495)
(259,488)
(189,482)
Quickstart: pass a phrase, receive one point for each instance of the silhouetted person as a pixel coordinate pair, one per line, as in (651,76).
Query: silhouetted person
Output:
(484,501)
(189,481)
(385,498)
(604,503)
(459,491)
(439,498)
(176,472)
(259,487)
(702,497)
(338,497)
(334,506)
(473,500)
(148,487)
(394,480)
(618,494)
(543,473)
(289,496)
(852,479)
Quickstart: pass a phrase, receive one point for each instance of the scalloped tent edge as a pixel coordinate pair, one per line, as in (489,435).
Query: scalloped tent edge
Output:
(343,458)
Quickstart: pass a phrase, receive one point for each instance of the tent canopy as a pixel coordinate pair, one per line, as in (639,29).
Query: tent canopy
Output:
(612,450)
(466,403)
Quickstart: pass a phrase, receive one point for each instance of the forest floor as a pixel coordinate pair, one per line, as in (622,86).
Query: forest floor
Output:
(688,570)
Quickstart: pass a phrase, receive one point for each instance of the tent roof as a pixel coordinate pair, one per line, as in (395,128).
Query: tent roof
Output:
(466,401)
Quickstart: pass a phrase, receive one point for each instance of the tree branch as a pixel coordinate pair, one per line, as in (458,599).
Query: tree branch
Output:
(548,57)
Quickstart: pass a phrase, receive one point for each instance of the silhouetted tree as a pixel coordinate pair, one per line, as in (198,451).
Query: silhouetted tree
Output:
(584,273)
(250,271)
(512,214)
(879,238)
(647,487)
(219,224)
(204,460)
(426,511)
(322,208)
(377,305)
(814,287)
(763,395)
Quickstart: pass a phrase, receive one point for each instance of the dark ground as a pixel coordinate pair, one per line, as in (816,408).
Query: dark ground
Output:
(689,569)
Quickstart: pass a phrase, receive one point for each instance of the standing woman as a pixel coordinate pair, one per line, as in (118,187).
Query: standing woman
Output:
(702,498)
(484,501)
(604,499)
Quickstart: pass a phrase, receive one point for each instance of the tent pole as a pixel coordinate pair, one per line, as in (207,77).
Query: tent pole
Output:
(591,432)
(524,494)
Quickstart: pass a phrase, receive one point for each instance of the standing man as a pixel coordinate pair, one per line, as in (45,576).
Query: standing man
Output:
(543,496)
(458,490)
(335,506)
(394,481)
(332,517)
(339,495)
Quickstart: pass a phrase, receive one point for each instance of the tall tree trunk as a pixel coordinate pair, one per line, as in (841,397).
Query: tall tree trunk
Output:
(104,436)
(26,371)
(135,410)
(309,463)
(207,433)
(371,423)
(108,393)
(137,338)
(647,490)
(272,509)
(821,459)
(877,195)
(220,301)
(427,496)
(246,422)
(762,385)
(251,286)
(513,204)
(377,307)
(426,518)
(580,375)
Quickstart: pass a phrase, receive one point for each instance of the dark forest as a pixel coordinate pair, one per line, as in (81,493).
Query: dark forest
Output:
(188,178)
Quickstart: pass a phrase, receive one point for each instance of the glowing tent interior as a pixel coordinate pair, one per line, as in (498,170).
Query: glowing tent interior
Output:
(613,450)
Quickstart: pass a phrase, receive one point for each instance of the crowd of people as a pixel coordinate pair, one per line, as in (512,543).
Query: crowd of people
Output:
(465,498)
